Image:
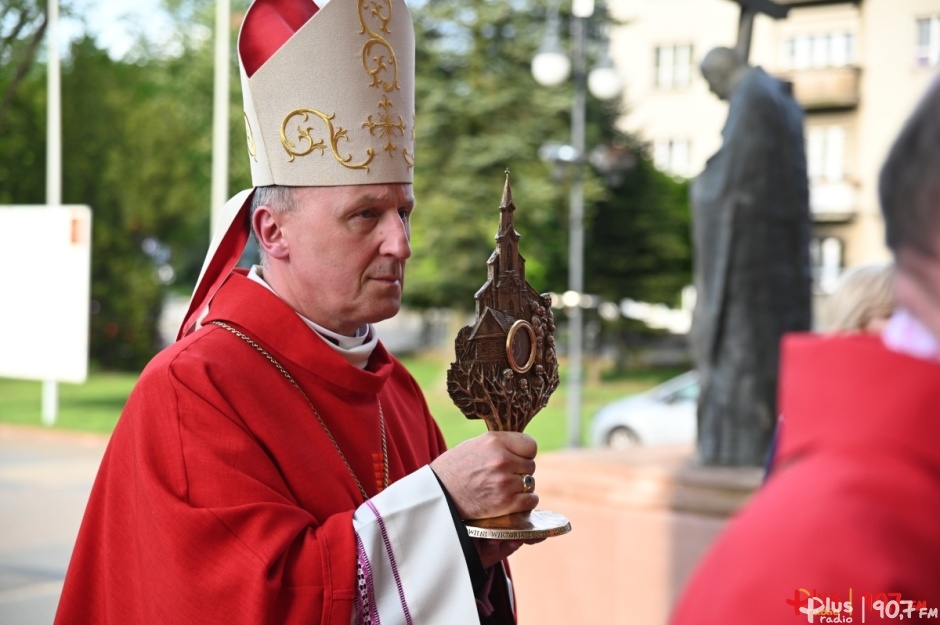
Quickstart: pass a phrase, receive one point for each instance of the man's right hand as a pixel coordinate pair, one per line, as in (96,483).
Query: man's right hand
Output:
(483,475)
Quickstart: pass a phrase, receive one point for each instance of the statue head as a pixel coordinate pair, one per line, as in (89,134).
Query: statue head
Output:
(723,69)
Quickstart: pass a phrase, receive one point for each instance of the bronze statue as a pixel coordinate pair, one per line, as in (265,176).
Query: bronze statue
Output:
(751,230)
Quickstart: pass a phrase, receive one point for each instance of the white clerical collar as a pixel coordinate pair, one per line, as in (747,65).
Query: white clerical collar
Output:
(355,349)
(905,333)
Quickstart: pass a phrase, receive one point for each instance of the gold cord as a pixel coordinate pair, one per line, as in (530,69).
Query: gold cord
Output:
(290,379)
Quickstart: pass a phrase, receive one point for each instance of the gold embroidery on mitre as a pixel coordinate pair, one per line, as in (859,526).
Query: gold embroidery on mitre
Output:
(379,60)
(337,133)
(409,160)
(252,148)
(374,9)
(386,126)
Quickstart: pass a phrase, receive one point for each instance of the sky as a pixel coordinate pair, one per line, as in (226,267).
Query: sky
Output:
(116,23)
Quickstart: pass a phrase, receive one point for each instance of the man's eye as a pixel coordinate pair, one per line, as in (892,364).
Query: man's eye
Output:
(367,213)
(404,213)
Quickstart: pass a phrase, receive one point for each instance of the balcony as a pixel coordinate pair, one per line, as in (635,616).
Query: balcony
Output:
(832,201)
(825,87)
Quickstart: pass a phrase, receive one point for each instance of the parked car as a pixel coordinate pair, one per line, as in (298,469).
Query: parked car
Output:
(663,415)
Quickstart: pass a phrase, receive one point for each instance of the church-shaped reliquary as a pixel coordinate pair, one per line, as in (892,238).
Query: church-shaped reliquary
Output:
(506,367)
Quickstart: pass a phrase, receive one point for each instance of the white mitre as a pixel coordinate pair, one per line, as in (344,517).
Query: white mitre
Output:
(329,101)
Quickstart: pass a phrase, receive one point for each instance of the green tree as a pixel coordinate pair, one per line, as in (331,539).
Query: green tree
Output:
(22,142)
(479,112)
(640,237)
(640,249)
(135,150)
(22,101)
(22,26)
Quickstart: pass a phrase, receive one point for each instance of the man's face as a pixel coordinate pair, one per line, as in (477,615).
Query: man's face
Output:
(346,249)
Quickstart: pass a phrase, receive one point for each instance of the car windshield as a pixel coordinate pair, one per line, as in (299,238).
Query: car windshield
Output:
(682,388)
(686,393)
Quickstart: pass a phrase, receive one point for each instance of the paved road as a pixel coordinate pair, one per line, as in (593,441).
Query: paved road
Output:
(45,478)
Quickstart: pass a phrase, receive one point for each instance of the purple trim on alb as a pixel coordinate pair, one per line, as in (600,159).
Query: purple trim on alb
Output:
(391,561)
(366,611)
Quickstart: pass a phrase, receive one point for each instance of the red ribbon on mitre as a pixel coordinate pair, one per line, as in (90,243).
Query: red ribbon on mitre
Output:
(267,26)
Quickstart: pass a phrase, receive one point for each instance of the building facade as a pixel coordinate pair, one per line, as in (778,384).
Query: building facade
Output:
(857,68)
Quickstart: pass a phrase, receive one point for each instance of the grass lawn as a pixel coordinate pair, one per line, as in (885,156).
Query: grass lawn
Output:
(96,404)
(93,406)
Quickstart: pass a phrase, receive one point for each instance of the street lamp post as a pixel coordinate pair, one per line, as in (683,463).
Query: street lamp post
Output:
(551,67)
(576,232)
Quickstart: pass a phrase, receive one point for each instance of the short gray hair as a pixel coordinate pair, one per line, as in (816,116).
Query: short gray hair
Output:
(279,198)
(909,184)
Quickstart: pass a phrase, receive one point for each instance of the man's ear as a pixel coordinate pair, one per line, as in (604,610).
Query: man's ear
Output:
(267,225)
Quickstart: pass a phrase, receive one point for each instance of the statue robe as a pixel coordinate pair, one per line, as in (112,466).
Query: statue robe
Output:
(852,506)
(221,498)
(752,273)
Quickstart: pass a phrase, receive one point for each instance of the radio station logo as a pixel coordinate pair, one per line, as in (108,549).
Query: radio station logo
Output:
(854,607)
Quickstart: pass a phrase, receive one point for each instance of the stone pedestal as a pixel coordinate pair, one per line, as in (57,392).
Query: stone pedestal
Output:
(641,520)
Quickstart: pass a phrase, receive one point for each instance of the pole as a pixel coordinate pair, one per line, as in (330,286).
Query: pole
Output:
(576,230)
(50,388)
(220,106)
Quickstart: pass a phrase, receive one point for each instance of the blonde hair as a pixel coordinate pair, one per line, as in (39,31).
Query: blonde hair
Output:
(862,295)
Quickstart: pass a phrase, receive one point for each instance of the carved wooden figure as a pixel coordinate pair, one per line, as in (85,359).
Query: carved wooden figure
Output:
(505,368)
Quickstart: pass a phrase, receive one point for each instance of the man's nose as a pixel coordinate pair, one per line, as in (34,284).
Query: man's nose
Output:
(396,235)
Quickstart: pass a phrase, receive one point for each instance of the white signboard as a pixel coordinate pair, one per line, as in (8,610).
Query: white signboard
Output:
(44,292)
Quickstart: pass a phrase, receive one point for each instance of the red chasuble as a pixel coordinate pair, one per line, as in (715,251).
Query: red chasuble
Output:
(851,513)
(221,498)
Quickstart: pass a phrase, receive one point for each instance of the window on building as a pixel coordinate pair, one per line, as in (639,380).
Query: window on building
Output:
(799,53)
(928,41)
(826,255)
(840,49)
(673,66)
(819,50)
(825,153)
(833,49)
(672,156)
